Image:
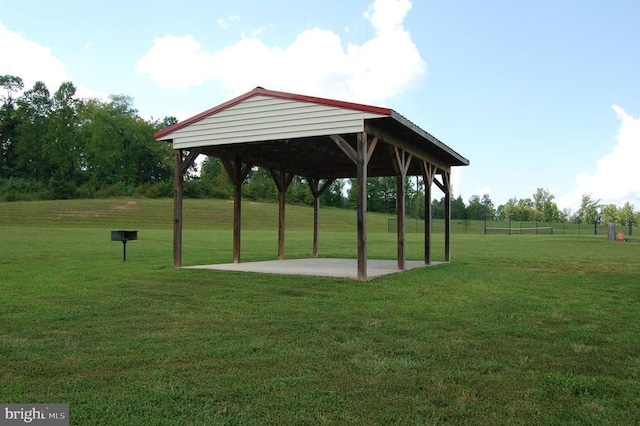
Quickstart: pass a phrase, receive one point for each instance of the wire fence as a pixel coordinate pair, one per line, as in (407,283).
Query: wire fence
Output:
(507,227)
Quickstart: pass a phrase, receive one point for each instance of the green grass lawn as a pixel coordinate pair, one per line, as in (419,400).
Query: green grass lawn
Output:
(521,329)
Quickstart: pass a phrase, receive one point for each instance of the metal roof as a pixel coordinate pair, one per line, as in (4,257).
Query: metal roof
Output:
(318,155)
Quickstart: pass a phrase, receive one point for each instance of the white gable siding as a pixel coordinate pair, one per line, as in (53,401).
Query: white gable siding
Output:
(262,118)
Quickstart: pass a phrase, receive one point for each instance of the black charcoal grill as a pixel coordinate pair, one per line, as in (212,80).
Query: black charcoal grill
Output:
(124,236)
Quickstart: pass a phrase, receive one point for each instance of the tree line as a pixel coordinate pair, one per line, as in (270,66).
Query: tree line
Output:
(59,146)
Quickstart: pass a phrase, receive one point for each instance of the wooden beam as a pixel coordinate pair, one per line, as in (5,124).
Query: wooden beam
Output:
(316,191)
(361,166)
(403,161)
(178,187)
(252,160)
(237,173)
(344,146)
(188,161)
(372,147)
(400,199)
(282,180)
(393,140)
(442,186)
(181,165)
(428,173)
(446,177)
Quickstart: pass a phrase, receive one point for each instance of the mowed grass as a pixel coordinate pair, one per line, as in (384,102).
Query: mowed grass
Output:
(521,329)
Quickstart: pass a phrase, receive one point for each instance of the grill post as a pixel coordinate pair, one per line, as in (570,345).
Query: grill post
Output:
(124,236)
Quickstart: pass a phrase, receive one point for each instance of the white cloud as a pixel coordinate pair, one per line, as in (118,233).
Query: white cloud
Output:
(84,92)
(315,63)
(29,60)
(387,15)
(616,178)
(483,191)
(33,62)
(176,62)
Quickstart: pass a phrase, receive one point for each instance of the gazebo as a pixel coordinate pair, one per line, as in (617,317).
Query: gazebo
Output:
(321,140)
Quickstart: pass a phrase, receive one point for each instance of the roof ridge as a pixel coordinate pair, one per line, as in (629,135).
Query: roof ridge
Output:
(260,91)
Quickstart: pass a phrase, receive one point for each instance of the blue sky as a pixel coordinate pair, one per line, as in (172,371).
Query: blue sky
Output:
(535,94)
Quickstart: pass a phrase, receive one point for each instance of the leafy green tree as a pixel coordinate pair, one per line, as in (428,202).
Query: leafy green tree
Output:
(34,108)
(488,206)
(119,145)
(8,123)
(381,194)
(259,185)
(588,212)
(458,209)
(61,145)
(480,209)
(299,192)
(475,209)
(519,209)
(544,206)
(333,195)
(215,179)
(610,213)
(437,208)
(625,215)
(416,201)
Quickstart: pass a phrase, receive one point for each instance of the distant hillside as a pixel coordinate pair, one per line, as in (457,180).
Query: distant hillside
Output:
(158,213)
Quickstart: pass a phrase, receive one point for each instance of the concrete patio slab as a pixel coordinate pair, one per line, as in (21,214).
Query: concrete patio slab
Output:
(341,268)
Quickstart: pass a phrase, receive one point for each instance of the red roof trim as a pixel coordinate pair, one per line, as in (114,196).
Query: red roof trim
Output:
(281,95)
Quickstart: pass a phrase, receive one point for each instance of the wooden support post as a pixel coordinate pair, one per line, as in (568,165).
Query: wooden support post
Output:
(403,161)
(281,223)
(282,180)
(428,173)
(316,191)
(181,164)
(237,215)
(400,199)
(316,224)
(237,173)
(178,186)
(361,166)
(361,155)
(446,178)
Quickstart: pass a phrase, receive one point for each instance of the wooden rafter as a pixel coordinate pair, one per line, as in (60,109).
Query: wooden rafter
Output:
(403,160)
(344,146)
(188,161)
(316,189)
(395,141)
